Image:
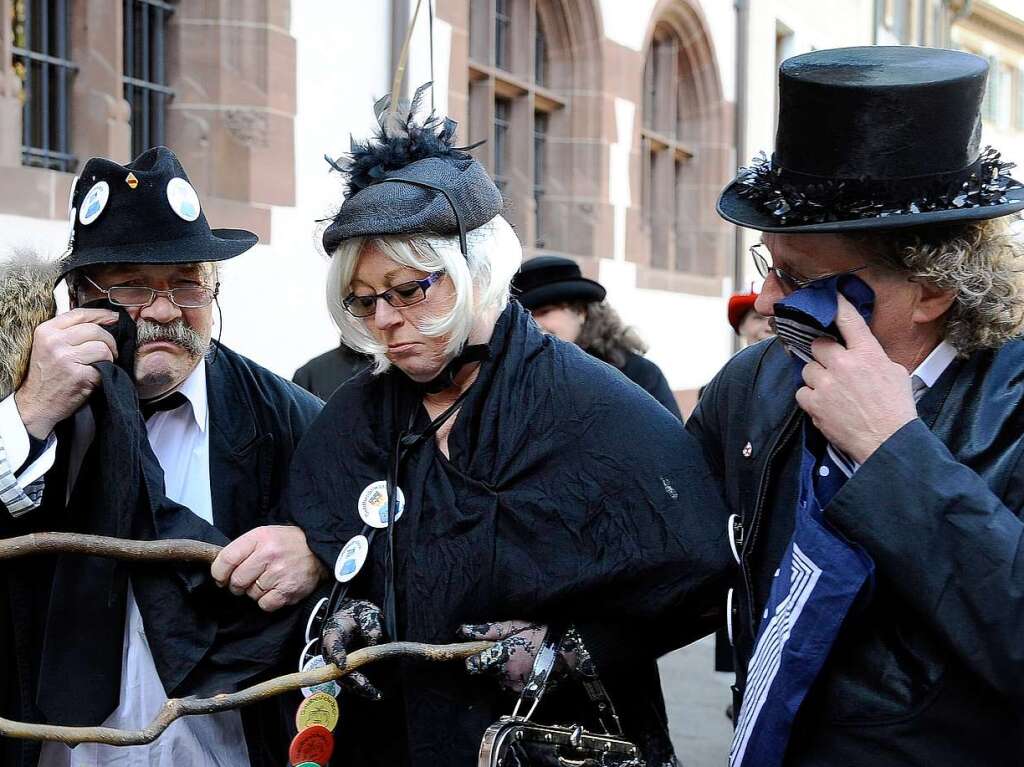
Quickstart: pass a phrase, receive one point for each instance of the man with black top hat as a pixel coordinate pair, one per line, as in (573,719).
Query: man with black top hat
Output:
(221,431)
(871,455)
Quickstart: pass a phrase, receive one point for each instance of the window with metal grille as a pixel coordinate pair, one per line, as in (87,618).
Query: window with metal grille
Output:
(145,70)
(41,61)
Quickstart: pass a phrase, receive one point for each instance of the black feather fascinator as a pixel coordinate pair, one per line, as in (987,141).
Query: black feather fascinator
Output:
(398,141)
(408,177)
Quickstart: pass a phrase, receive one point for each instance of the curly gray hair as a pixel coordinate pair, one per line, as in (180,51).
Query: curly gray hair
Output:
(605,335)
(981,262)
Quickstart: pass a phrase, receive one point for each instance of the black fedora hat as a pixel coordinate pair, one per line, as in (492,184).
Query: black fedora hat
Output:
(547,280)
(875,138)
(410,178)
(145,212)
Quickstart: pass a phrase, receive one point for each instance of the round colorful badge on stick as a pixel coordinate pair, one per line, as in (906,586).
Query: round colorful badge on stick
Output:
(183,199)
(351,559)
(314,744)
(319,708)
(331,688)
(94,203)
(373,504)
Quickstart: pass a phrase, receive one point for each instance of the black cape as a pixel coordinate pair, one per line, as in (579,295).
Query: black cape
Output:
(563,479)
(62,617)
(649,377)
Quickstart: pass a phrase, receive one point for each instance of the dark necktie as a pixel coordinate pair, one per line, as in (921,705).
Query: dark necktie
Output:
(172,401)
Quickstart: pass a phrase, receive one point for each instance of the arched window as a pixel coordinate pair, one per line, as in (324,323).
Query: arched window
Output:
(519,70)
(680,147)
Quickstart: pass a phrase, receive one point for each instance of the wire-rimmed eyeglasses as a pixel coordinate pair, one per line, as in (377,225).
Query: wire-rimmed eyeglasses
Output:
(762,261)
(134,296)
(398,296)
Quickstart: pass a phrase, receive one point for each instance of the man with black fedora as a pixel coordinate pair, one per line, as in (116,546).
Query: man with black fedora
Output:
(573,308)
(91,642)
(871,454)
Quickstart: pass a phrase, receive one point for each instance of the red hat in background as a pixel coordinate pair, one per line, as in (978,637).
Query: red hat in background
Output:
(739,305)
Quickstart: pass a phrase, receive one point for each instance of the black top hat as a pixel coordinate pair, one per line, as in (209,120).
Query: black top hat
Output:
(547,280)
(145,212)
(409,178)
(875,138)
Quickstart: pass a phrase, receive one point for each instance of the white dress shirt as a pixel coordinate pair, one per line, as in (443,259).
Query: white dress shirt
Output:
(180,440)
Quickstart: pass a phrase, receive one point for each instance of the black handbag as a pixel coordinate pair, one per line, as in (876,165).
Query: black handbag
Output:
(516,741)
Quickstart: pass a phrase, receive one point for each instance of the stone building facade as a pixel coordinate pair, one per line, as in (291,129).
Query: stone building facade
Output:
(995,31)
(215,80)
(572,119)
(610,124)
(609,128)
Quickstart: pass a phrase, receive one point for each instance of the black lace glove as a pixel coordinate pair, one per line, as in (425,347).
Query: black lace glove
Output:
(356,623)
(511,659)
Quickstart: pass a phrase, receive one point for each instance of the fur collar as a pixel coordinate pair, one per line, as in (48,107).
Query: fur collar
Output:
(26,301)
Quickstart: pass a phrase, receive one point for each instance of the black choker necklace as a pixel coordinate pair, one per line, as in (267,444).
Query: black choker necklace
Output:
(446,378)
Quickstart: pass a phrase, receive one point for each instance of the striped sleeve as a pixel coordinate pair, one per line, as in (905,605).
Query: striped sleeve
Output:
(16,499)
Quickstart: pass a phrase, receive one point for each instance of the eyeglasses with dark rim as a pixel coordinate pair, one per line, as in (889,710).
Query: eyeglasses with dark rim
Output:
(398,296)
(761,255)
(135,296)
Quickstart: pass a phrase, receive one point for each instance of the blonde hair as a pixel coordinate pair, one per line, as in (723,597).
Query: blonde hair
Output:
(981,262)
(481,281)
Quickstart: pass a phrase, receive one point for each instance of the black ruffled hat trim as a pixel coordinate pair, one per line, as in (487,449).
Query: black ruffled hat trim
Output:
(794,199)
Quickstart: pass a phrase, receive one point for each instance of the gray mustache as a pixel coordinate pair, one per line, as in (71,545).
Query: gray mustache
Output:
(176,332)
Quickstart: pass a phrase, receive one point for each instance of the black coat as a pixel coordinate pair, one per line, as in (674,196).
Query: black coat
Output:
(562,478)
(649,377)
(932,673)
(256,420)
(323,374)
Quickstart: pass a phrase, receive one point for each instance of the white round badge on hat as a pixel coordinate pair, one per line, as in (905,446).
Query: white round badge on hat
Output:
(373,504)
(183,199)
(94,203)
(351,559)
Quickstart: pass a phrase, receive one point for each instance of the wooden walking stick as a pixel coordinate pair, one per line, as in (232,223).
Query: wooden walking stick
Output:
(176,708)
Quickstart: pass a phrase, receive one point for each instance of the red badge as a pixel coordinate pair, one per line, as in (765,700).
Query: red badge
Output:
(313,744)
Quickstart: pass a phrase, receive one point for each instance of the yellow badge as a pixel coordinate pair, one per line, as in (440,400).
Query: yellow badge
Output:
(319,708)
(131,181)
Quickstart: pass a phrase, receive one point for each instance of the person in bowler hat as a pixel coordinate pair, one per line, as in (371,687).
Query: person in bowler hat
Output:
(569,306)
(871,452)
(222,429)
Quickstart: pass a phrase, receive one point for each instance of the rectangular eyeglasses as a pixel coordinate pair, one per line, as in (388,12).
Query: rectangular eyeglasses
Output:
(761,255)
(398,296)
